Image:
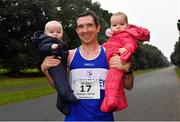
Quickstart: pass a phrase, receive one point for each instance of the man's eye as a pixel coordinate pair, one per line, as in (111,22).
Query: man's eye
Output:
(90,25)
(80,26)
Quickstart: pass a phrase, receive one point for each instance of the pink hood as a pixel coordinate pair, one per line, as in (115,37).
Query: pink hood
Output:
(140,33)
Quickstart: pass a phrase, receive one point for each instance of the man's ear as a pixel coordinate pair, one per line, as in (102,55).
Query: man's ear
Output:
(76,30)
(98,28)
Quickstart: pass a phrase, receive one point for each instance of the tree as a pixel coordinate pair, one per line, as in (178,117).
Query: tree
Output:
(148,56)
(175,56)
(178,25)
(68,12)
(19,19)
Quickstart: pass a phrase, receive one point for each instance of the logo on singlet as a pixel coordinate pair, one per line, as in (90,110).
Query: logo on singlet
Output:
(89,73)
(88,64)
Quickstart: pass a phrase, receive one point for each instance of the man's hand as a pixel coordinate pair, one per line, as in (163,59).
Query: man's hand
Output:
(116,62)
(48,62)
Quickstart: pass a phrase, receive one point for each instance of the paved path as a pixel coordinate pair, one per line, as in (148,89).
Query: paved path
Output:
(39,109)
(155,97)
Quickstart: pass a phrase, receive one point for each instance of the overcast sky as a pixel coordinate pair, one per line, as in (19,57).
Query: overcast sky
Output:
(159,16)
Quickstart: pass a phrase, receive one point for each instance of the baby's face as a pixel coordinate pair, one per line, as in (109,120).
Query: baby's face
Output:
(54,31)
(118,23)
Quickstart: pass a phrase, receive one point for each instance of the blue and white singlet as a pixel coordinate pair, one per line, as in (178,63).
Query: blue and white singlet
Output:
(87,79)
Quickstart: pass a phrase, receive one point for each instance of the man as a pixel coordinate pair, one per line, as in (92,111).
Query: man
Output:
(88,68)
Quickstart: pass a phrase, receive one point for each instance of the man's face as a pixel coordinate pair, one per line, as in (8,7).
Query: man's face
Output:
(87,30)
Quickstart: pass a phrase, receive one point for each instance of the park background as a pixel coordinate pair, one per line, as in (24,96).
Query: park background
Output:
(20,74)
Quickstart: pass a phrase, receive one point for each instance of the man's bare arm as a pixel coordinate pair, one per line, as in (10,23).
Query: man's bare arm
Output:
(129,81)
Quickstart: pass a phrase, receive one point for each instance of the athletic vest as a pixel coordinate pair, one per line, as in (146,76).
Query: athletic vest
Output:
(87,78)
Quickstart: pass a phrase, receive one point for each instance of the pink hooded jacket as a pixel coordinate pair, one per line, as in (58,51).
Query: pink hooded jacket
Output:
(128,39)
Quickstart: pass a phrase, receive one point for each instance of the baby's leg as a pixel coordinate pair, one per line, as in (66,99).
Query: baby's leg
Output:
(115,98)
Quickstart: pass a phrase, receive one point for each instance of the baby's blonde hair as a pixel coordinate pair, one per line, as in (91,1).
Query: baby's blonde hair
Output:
(53,22)
(121,14)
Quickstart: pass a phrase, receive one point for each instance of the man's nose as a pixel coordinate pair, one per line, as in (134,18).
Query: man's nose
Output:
(85,29)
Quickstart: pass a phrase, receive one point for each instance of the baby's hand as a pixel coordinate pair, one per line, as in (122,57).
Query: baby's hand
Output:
(122,50)
(109,33)
(54,46)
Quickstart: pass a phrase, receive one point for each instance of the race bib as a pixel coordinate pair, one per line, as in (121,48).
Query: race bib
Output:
(87,89)
(87,83)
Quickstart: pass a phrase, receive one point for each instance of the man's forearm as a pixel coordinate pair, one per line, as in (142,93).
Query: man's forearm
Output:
(128,81)
(49,78)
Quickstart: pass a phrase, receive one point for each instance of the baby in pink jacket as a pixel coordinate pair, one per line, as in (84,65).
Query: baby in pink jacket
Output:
(123,41)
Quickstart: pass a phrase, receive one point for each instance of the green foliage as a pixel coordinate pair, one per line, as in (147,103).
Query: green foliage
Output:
(175,56)
(69,10)
(19,19)
(178,25)
(148,56)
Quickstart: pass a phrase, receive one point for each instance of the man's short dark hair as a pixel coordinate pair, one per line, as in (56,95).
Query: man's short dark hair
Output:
(92,14)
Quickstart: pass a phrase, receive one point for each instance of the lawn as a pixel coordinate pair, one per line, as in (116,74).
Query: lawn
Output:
(177,72)
(19,89)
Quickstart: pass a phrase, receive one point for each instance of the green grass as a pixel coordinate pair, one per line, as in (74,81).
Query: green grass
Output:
(34,70)
(17,96)
(29,70)
(19,89)
(17,82)
(3,70)
(177,72)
